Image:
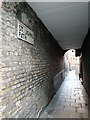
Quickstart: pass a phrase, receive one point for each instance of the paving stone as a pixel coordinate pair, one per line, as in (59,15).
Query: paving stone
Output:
(74,97)
(61,114)
(80,101)
(83,105)
(70,100)
(85,115)
(76,115)
(82,110)
(70,109)
(65,104)
(76,105)
(59,108)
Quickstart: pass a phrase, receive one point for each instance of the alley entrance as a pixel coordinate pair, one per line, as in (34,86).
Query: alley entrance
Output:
(70,101)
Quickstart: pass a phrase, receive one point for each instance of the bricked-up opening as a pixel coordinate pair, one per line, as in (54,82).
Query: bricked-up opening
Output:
(72,62)
(30,72)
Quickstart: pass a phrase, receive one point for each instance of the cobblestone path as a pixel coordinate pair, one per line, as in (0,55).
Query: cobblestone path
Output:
(70,101)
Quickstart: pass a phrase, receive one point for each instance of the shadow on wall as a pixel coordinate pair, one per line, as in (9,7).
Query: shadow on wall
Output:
(85,60)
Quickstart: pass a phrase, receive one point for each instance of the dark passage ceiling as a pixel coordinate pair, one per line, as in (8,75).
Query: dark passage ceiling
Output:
(67,21)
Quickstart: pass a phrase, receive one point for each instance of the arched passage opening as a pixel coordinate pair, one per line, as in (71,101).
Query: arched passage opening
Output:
(72,63)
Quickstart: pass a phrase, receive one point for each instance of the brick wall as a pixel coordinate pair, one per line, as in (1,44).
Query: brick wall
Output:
(85,60)
(27,74)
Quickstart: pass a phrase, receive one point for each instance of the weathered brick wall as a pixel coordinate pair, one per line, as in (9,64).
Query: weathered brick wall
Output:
(27,74)
(85,59)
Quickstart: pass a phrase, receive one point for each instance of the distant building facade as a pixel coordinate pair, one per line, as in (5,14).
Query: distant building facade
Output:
(73,62)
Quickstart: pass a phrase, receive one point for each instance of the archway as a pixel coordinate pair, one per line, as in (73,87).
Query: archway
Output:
(71,62)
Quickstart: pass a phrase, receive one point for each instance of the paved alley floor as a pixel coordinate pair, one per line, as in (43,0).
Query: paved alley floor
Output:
(70,101)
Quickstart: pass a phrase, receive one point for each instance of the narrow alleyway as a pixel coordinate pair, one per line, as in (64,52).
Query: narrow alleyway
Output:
(40,42)
(70,101)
